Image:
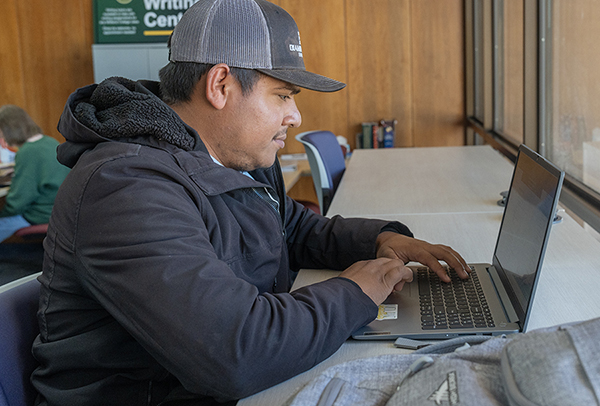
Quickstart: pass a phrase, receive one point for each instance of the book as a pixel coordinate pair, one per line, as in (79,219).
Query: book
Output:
(367,131)
(388,133)
(359,140)
(379,134)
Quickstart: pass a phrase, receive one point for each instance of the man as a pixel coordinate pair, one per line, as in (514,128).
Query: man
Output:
(172,246)
(37,174)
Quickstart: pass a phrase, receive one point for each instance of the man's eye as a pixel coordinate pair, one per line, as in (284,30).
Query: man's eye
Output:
(284,97)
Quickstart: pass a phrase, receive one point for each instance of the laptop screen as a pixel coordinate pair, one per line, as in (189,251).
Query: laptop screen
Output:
(525,227)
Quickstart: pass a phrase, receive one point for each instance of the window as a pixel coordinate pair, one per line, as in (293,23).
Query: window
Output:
(508,78)
(573,101)
(535,80)
(478,58)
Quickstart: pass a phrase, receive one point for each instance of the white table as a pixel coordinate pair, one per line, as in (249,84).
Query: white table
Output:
(422,180)
(568,288)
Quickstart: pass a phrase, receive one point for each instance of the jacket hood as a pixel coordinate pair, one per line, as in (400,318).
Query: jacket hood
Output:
(119,109)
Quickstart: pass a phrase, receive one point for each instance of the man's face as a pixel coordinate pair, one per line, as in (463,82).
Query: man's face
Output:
(256,125)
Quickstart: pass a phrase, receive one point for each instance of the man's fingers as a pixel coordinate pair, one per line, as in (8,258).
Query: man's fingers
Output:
(432,257)
(379,277)
(399,286)
(461,267)
(398,277)
(394,272)
(456,262)
(407,277)
(407,249)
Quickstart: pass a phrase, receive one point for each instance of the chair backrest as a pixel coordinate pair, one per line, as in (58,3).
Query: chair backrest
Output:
(18,329)
(326,161)
(32,230)
(30,234)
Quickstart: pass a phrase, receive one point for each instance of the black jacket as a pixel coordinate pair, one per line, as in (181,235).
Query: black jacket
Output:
(166,276)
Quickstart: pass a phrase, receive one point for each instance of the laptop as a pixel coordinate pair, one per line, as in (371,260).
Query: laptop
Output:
(497,297)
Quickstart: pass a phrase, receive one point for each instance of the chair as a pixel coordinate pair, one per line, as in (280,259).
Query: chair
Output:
(310,205)
(327,163)
(30,234)
(18,330)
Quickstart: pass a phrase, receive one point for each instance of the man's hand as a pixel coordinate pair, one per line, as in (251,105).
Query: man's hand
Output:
(379,277)
(398,246)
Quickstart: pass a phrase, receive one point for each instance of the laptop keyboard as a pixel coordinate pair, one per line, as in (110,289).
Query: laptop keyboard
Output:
(458,304)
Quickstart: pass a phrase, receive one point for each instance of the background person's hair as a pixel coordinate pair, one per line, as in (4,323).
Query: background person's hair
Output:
(16,125)
(177,80)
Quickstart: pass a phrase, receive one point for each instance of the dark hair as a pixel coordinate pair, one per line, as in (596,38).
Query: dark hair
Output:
(177,80)
(16,125)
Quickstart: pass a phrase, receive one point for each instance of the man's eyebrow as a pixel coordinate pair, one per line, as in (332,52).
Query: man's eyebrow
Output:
(291,88)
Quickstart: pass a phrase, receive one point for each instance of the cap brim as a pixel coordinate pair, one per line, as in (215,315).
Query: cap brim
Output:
(307,80)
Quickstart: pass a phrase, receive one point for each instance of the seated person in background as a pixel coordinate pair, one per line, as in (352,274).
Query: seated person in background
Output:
(172,244)
(37,173)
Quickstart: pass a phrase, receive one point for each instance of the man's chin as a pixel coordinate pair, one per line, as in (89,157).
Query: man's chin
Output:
(270,163)
(267,163)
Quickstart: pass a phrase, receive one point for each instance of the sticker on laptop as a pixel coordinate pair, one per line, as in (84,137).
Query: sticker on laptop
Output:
(387,312)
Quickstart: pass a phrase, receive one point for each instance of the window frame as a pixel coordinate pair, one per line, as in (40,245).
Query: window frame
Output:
(482,128)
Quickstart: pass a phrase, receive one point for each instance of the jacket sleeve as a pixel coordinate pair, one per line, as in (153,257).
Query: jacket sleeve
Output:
(315,241)
(153,268)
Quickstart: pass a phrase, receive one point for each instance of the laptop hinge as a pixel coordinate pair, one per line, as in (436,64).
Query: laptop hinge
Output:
(509,311)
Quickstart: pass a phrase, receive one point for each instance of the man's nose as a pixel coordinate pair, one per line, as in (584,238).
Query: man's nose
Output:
(293,118)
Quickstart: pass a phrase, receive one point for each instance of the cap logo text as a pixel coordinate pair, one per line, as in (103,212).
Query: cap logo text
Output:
(297,48)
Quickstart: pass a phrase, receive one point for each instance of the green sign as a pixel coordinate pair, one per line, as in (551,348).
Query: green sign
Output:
(135,21)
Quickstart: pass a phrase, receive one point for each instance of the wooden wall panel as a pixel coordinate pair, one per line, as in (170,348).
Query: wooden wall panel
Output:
(438,72)
(55,56)
(401,59)
(11,71)
(379,65)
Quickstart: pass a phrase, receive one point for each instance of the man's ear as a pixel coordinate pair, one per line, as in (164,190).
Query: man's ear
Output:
(218,83)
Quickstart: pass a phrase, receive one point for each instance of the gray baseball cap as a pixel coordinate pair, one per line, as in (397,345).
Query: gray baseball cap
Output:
(251,34)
